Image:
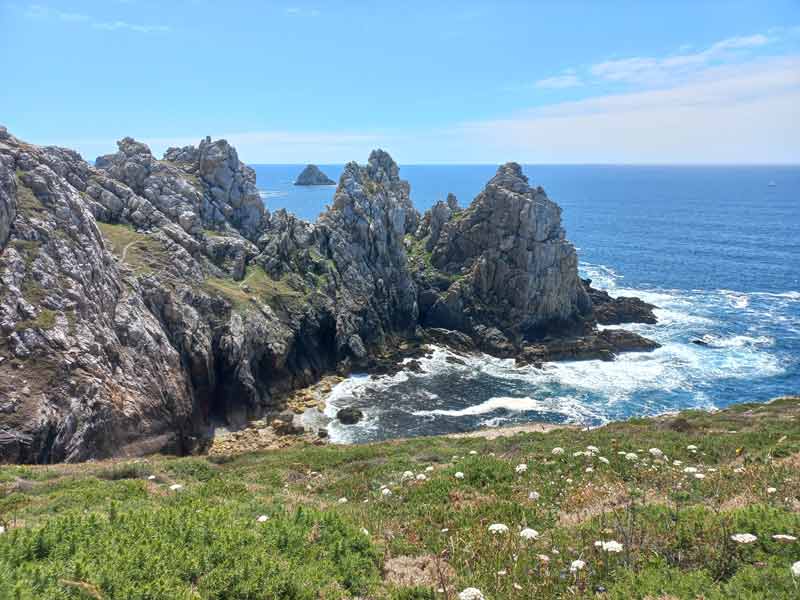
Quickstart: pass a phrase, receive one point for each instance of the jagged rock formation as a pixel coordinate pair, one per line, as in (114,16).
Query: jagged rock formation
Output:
(311,175)
(503,264)
(619,310)
(143,299)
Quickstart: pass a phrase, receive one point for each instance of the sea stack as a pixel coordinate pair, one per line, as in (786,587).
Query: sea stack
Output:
(311,175)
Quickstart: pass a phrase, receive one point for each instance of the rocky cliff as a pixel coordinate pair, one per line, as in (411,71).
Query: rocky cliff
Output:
(311,175)
(144,300)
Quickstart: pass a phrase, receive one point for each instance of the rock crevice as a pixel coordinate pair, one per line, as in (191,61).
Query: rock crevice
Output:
(143,301)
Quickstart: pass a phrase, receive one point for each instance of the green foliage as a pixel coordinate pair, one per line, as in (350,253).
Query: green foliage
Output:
(262,288)
(117,529)
(142,252)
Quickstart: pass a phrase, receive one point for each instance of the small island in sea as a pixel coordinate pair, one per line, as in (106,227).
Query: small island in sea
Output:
(312,175)
(532,332)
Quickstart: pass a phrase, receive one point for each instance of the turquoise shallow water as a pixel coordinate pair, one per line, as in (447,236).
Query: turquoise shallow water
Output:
(716,248)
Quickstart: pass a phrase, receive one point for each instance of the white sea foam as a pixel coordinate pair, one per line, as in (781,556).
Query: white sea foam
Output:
(592,391)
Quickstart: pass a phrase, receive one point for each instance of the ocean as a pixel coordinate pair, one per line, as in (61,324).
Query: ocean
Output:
(717,249)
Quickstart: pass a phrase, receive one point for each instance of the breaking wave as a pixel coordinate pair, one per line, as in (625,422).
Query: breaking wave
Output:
(715,346)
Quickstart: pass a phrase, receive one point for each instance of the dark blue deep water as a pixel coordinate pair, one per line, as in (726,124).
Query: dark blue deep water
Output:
(716,248)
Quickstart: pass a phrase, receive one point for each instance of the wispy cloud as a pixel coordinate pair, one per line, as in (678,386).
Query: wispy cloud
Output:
(567,80)
(653,71)
(302,12)
(741,113)
(39,11)
(117,25)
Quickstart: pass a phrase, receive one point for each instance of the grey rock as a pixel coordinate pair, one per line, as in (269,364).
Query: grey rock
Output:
(143,299)
(311,175)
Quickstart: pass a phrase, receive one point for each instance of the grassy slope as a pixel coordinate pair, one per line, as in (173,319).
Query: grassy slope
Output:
(105,530)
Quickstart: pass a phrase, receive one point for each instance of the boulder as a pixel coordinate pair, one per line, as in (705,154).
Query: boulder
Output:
(349,415)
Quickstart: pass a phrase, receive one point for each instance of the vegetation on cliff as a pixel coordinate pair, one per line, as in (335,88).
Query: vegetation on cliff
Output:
(683,506)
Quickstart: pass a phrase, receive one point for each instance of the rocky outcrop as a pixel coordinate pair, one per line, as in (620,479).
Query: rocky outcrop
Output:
(502,263)
(144,300)
(8,193)
(311,175)
(620,310)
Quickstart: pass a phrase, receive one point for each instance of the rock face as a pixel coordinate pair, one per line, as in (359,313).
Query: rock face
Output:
(143,300)
(505,263)
(311,175)
(620,310)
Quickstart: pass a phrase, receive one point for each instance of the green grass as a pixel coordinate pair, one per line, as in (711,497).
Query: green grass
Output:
(27,202)
(45,319)
(143,253)
(116,530)
(262,288)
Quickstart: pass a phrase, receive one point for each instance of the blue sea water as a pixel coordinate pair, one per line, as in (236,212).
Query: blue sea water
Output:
(717,249)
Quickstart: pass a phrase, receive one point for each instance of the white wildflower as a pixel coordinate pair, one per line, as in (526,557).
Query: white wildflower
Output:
(429,469)
(579,453)
(408,475)
(690,469)
(771,490)
(577,565)
(534,496)
(502,573)
(365,531)
(496,528)
(556,451)
(386,492)
(796,569)
(342,500)
(521,468)
(459,475)
(656,452)
(421,477)
(569,480)
(445,530)
(543,557)
(2,530)
(151,477)
(175,487)
(593,449)
(471,593)
(782,537)
(699,476)
(262,519)
(743,538)
(528,534)
(631,456)
(609,546)
(473,452)
(603,460)
(589,470)
(677,463)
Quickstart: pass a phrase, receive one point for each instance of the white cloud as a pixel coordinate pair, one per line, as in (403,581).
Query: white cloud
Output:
(725,114)
(38,11)
(559,82)
(655,71)
(302,12)
(124,25)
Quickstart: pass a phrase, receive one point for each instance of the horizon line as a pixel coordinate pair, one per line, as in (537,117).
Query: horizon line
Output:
(549,164)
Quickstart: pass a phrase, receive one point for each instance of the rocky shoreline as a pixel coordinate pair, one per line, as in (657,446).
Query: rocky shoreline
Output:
(144,300)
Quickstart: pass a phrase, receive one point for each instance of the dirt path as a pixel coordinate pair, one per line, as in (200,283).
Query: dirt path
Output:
(126,248)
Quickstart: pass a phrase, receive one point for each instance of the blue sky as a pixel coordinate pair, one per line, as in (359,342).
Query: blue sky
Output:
(432,82)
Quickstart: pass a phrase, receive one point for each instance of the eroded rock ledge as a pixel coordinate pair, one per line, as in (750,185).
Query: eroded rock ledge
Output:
(144,300)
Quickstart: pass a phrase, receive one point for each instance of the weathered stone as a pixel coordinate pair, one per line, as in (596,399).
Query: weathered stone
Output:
(311,175)
(144,300)
(349,415)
